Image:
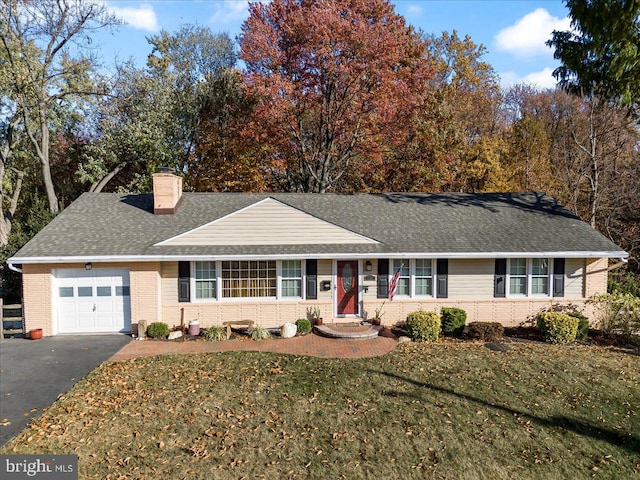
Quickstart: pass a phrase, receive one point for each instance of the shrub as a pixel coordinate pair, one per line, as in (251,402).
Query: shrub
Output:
(259,333)
(215,334)
(453,320)
(422,325)
(583,325)
(618,312)
(158,330)
(303,325)
(557,327)
(485,331)
(624,281)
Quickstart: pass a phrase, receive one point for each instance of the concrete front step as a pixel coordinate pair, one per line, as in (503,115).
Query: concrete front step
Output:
(327,331)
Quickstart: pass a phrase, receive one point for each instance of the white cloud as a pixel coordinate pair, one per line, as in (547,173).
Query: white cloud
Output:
(527,37)
(414,9)
(543,79)
(229,12)
(142,17)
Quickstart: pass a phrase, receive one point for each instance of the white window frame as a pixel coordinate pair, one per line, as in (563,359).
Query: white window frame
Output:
(268,297)
(194,280)
(281,278)
(548,276)
(432,277)
(218,281)
(525,276)
(412,278)
(394,269)
(529,277)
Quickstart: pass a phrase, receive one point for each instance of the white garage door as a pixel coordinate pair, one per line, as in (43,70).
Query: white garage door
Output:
(95,300)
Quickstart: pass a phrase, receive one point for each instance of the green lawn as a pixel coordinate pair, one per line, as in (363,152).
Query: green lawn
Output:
(448,410)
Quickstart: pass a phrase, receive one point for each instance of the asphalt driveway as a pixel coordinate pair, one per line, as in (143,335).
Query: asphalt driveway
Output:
(33,373)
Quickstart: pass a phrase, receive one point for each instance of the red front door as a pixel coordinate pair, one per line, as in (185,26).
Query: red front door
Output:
(347,287)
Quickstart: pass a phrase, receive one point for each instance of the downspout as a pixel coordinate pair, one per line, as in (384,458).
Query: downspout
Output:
(14,268)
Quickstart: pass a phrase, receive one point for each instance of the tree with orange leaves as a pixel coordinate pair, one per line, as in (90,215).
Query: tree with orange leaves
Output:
(334,80)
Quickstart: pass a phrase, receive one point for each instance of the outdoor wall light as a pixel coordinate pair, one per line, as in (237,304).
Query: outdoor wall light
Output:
(88,266)
(368,266)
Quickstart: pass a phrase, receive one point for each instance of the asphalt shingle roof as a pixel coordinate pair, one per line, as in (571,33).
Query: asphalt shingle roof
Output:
(104,224)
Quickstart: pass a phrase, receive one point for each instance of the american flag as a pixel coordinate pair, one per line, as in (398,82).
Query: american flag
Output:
(393,285)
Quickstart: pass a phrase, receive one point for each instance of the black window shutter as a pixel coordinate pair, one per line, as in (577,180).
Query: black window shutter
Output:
(383,278)
(442,272)
(312,279)
(184,281)
(500,280)
(558,277)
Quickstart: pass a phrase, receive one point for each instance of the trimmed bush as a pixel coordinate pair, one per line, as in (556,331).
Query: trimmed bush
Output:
(557,327)
(303,325)
(215,334)
(583,325)
(485,331)
(453,321)
(423,326)
(158,330)
(259,333)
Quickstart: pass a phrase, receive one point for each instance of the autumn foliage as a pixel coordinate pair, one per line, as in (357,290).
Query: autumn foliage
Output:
(339,84)
(331,96)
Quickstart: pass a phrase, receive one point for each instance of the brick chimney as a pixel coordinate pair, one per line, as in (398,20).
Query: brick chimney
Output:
(167,192)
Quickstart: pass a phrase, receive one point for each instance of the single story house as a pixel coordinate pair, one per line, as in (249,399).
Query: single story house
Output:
(111,260)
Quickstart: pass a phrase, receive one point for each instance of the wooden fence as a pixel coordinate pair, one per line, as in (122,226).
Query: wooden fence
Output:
(12,323)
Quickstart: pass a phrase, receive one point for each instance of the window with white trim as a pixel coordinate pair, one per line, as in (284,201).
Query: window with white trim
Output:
(404,280)
(518,276)
(417,277)
(423,277)
(291,283)
(249,279)
(205,280)
(529,277)
(539,276)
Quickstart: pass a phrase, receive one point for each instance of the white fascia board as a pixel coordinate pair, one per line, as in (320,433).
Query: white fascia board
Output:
(337,256)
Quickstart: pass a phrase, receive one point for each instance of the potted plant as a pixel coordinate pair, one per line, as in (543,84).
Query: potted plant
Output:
(377,315)
(315,314)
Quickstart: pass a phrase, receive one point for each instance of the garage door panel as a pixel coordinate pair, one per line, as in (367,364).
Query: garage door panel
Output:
(93,301)
(103,307)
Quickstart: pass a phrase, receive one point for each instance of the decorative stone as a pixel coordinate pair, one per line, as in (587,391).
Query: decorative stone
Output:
(142,328)
(496,347)
(403,339)
(288,330)
(174,335)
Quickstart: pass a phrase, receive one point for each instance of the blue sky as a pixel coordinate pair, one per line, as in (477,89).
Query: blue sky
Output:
(513,31)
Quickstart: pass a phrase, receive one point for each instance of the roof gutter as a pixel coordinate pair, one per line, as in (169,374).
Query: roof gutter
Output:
(301,256)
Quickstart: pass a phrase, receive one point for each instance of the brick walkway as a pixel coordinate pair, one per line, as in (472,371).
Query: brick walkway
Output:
(312,345)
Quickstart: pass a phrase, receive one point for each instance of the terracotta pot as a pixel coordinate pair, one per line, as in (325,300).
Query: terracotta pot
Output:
(35,334)
(319,321)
